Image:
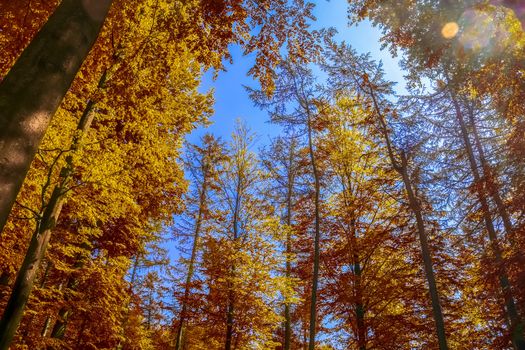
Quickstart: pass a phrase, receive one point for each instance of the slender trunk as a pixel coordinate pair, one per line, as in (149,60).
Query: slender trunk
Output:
(416,209)
(191,266)
(287,327)
(426,254)
(229,321)
(315,276)
(34,87)
(231,296)
(134,273)
(516,324)
(491,182)
(287,316)
(125,319)
(38,245)
(289,193)
(359,305)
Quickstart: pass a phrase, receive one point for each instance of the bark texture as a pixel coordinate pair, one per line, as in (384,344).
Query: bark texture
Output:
(37,247)
(36,84)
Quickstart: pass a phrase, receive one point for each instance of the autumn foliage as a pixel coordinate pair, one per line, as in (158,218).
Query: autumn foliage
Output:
(373,221)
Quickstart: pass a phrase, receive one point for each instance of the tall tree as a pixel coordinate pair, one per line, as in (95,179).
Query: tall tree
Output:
(33,88)
(296,103)
(38,245)
(51,210)
(373,252)
(350,72)
(137,151)
(452,110)
(203,163)
(239,259)
(282,162)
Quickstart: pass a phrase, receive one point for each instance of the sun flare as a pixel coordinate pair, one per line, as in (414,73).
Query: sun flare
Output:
(450,30)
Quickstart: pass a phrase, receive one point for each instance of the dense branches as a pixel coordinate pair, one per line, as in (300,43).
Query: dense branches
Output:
(373,221)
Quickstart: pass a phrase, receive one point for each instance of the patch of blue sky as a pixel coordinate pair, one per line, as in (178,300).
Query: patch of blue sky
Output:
(232,101)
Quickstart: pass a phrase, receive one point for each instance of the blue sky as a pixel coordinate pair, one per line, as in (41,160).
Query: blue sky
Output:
(232,101)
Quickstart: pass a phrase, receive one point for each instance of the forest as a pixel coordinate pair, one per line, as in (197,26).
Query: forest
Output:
(376,216)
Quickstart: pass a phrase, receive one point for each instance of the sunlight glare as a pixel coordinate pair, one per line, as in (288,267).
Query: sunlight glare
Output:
(480,29)
(450,30)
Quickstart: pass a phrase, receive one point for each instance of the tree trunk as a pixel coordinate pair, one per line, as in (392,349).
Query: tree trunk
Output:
(315,276)
(36,84)
(287,316)
(191,267)
(516,324)
(38,245)
(289,194)
(426,254)
(359,305)
(491,182)
(231,295)
(416,209)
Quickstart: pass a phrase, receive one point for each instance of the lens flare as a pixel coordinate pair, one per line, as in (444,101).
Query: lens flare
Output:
(450,30)
(480,29)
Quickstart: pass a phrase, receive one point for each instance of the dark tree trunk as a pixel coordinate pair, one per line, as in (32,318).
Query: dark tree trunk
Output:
(36,84)
(231,294)
(191,267)
(287,316)
(38,245)
(359,304)
(426,254)
(513,316)
(317,234)
(415,207)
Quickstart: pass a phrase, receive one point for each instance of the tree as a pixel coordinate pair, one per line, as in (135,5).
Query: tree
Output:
(37,247)
(51,209)
(449,101)
(282,163)
(295,85)
(176,91)
(239,260)
(372,278)
(204,165)
(348,71)
(33,88)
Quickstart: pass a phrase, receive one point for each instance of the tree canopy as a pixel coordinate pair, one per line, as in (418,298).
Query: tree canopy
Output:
(372,219)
